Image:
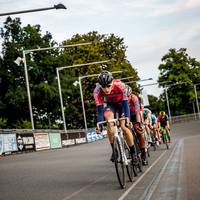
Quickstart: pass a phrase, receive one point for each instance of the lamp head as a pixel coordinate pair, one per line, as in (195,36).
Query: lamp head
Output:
(18,61)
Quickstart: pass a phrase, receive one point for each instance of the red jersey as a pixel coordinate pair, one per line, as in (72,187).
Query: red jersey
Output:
(118,93)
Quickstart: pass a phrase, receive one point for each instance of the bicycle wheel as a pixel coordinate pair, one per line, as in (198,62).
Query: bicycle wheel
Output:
(139,163)
(129,167)
(119,165)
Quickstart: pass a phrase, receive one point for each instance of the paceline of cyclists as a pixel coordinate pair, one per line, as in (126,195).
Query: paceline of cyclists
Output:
(141,128)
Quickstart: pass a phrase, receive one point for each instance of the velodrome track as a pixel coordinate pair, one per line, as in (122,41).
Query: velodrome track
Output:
(84,172)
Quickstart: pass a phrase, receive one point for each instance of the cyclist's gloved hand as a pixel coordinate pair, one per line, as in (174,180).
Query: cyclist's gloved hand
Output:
(127,122)
(100,129)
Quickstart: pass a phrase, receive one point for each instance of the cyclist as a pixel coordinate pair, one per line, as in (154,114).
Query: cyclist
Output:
(155,128)
(136,119)
(114,95)
(163,123)
(147,121)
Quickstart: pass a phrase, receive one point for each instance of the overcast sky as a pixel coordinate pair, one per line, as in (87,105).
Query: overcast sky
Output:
(149,27)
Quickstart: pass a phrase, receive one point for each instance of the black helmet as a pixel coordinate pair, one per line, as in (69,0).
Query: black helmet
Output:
(105,79)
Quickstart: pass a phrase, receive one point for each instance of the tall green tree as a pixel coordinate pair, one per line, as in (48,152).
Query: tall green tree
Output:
(109,47)
(182,71)
(156,104)
(42,66)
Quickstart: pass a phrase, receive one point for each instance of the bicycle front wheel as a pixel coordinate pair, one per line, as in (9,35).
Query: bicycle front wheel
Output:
(119,164)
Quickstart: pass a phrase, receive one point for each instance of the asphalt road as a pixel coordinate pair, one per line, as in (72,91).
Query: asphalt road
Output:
(84,172)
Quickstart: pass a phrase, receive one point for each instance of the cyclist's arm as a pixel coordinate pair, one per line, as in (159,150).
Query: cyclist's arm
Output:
(99,103)
(168,124)
(137,108)
(100,116)
(126,108)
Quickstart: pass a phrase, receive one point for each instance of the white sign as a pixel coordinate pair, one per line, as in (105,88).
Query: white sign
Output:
(80,140)
(41,141)
(68,142)
(9,142)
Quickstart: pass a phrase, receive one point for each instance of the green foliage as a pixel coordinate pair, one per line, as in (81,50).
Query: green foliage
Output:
(23,124)
(182,71)
(3,123)
(156,105)
(43,79)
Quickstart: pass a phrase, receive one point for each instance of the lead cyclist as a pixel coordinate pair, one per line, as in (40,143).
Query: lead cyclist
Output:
(116,101)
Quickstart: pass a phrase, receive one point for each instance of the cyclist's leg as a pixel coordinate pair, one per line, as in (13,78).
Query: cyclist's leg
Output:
(108,115)
(127,132)
(156,133)
(142,144)
(168,133)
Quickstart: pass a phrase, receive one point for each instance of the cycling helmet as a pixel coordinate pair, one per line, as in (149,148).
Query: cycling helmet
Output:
(129,90)
(162,113)
(105,79)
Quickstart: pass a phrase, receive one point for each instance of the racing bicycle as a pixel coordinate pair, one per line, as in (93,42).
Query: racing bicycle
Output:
(123,159)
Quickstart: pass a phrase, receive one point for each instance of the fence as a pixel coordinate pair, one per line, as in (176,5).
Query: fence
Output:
(18,141)
(185,118)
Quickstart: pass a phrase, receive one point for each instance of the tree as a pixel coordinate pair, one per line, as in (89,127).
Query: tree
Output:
(108,47)
(156,104)
(13,87)
(182,71)
(42,75)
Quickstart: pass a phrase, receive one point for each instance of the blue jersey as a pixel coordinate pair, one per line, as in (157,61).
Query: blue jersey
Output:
(153,119)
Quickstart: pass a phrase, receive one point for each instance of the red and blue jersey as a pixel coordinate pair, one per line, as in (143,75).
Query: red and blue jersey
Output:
(117,95)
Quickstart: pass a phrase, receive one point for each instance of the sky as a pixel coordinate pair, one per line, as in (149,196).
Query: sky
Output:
(149,27)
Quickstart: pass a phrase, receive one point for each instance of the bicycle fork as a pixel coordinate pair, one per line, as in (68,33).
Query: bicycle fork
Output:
(119,138)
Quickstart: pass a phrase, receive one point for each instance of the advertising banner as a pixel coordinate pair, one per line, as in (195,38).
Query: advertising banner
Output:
(9,143)
(41,141)
(92,136)
(1,144)
(80,140)
(25,141)
(55,140)
(68,142)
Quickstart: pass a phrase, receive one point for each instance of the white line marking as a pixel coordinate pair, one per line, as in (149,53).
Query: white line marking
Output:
(83,188)
(157,180)
(140,178)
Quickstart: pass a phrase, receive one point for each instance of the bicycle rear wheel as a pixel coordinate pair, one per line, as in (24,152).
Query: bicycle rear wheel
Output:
(119,165)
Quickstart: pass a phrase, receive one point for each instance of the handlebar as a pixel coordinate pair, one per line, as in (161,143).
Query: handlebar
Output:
(114,121)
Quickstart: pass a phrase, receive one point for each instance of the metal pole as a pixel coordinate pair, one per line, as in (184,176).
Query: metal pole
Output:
(28,90)
(194,111)
(61,99)
(168,105)
(82,100)
(197,103)
(59,6)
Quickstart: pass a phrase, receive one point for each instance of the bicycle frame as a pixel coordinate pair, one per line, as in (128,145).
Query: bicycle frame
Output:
(117,134)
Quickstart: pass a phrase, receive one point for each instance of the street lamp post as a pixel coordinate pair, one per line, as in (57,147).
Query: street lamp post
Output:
(147,79)
(58,6)
(59,85)
(169,112)
(197,102)
(81,92)
(166,94)
(26,71)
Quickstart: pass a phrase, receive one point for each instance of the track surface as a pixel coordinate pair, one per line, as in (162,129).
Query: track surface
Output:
(84,172)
